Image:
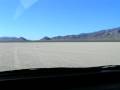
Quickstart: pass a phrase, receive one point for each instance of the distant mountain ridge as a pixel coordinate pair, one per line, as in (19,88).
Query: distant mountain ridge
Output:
(12,39)
(103,35)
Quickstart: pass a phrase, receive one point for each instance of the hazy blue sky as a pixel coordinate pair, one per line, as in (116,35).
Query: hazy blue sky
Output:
(34,19)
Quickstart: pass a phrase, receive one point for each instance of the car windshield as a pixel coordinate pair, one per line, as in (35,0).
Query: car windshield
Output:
(59,33)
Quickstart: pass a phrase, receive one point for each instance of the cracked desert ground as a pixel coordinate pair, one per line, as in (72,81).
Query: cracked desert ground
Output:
(58,54)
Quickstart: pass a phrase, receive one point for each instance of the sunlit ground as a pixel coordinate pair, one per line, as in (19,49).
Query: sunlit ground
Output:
(58,54)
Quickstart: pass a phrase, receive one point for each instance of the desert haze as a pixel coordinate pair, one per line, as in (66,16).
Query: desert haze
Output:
(58,54)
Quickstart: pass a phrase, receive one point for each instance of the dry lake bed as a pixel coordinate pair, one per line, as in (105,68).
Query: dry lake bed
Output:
(58,54)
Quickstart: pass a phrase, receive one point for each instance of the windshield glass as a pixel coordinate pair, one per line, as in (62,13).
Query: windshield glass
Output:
(59,33)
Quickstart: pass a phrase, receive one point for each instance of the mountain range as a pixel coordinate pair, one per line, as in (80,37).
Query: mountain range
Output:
(102,35)
(12,39)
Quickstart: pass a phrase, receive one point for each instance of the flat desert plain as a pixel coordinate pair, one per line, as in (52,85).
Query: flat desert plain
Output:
(58,54)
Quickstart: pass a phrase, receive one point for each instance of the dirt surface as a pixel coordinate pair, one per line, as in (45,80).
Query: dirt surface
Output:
(58,54)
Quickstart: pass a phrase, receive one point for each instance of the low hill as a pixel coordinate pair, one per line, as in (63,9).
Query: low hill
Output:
(12,39)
